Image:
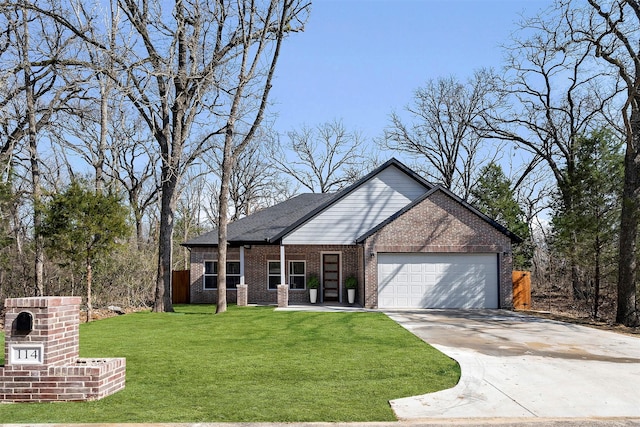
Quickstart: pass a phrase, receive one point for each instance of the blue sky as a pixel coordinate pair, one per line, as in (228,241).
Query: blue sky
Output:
(359,60)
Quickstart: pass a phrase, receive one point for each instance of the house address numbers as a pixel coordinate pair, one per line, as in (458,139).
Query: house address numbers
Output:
(26,354)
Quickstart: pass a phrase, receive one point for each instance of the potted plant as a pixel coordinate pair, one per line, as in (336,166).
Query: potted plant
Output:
(351,284)
(313,284)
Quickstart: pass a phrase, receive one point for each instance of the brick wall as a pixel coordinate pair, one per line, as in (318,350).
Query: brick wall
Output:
(438,224)
(85,379)
(256,276)
(199,295)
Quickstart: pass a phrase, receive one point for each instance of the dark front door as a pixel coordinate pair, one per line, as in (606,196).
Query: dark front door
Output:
(331,277)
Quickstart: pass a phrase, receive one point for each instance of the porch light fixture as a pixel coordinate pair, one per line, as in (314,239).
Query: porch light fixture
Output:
(247,246)
(372,254)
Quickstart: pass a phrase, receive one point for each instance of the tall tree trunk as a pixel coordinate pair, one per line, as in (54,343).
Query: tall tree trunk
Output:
(230,153)
(36,198)
(596,277)
(89,281)
(106,85)
(34,162)
(223,210)
(172,140)
(627,274)
(139,231)
(105,90)
(162,301)
(185,250)
(566,188)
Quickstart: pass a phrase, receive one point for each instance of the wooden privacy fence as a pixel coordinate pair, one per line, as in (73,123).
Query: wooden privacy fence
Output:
(521,290)
(180,280)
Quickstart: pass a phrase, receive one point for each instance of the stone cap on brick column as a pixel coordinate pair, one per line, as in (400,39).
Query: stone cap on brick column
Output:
(41,302)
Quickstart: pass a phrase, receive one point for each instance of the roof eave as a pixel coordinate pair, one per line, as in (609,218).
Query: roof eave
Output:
(229,243)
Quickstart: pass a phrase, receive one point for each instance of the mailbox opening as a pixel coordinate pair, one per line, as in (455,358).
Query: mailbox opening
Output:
(23,323)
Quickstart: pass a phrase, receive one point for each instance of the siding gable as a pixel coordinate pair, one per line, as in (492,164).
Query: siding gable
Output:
(362,209)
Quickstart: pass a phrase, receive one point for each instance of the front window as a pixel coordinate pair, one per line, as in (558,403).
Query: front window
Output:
(273,272)
(211,274)
(297,276)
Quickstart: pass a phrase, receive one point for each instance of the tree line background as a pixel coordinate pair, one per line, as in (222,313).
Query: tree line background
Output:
(127,127)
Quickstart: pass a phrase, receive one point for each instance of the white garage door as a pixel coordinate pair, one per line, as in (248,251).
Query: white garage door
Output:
(438,280)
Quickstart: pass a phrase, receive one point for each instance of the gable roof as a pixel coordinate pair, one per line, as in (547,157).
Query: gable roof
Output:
(273,223)
(495,224)
(263,225)
(350,189)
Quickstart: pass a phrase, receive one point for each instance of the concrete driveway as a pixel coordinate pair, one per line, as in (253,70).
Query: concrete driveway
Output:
(514,365)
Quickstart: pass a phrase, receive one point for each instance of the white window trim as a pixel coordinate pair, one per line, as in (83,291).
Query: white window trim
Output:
(272,275)
(304,275)
(204,275)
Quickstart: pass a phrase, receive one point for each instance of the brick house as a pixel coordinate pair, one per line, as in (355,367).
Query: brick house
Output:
(409,243)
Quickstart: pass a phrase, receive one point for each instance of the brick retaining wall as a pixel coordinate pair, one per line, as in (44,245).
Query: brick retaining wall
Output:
(86,379)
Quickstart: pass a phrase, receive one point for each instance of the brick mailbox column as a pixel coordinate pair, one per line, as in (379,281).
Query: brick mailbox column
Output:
(42,343)
(54,336)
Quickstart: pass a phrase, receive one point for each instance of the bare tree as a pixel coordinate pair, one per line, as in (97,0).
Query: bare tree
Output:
(90,118)
(261,33)
(207,64)
(134,164)
(88,130)
(38,89)
(443,128)
(612,29)
(323,159)
(34,160)
(254,185)
(555,96)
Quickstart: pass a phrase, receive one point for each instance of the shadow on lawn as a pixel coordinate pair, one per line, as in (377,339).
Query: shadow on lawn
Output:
(210,309)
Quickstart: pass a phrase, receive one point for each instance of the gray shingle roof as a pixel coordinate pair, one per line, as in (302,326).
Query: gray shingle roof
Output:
(271,224)
(263,225)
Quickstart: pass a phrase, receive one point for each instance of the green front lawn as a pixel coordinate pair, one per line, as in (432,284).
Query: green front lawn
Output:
(251,364)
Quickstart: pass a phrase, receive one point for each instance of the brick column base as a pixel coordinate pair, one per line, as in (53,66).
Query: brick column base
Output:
(242,297)
(283,295)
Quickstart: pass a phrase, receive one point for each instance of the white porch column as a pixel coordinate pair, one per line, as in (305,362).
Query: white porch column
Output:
(283,279)
(283,287)
(242,265)
(242,295)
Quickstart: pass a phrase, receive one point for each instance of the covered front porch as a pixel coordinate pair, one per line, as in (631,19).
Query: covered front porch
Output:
(255,273)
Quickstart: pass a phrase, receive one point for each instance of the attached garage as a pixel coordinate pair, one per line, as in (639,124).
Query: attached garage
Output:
(438,280)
